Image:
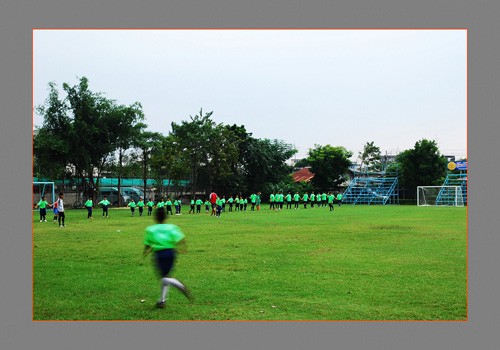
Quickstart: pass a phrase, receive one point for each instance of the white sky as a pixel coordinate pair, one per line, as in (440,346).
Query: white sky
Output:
(306,87)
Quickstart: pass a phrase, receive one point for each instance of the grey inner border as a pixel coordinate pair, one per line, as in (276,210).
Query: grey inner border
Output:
(17,19)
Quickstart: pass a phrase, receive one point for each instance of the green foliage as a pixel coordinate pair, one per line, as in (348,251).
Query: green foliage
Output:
(329,165)
(355,263)
(421,166)
(51,143)
(370,157)
(82,130)
(168,161)
(302,163)
(265,163)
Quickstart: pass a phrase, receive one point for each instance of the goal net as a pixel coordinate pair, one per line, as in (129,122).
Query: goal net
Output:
(440,196)
(41,189)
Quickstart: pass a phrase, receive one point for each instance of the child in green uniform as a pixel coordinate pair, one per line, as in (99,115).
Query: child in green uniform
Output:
(272,197)
(288,201)
(318,200)
(88,205)
(105,203)
(163,239)
(253,199)
(312,198)
(43,209)
(168,205)
(323,199)
(339,198)
(161,203)
(191,206)
(236,203)
(296,198)
(199,202)
(132,206)
(230,202)
(207,205)
(331,197)
(150,205)
(140,205)
(176,205)
(305,198)
(218,208)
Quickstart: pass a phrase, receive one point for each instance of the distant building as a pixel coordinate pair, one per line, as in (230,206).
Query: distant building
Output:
(303,174)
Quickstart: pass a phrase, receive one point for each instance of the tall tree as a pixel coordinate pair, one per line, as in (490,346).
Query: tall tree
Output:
(128,126)
(51,143)
(420,166)
(370,158)
(265,163)
(84,128)
(193,137)
(145,143)
(168,161)
(329,165)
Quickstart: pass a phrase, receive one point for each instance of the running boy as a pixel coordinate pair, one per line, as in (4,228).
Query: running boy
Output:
(162,239)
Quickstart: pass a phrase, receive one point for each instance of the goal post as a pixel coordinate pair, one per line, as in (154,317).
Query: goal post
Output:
(41,189)
(440,196)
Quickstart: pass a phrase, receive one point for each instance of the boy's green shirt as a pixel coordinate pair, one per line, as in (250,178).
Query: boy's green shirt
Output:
(42,204)
(104,202)
(162,236)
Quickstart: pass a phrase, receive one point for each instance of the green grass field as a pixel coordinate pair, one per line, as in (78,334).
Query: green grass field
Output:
(356,263)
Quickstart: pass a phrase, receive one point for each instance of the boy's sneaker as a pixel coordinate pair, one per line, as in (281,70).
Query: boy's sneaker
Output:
(186,293)
(44,220)
(160,304)
(40,220)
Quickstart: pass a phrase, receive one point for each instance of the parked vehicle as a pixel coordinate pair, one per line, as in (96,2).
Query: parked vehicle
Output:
(133,193)
(112,195)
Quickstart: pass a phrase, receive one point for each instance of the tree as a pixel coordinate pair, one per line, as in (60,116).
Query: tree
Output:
(370,157)
(265,163)
(329,165)
(421,166)
(145,142)
(83,129)
(51,144)
(168,161)
(302,163)
(193,137)
(128,126)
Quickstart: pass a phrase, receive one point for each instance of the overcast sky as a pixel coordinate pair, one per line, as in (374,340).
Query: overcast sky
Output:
(306,87)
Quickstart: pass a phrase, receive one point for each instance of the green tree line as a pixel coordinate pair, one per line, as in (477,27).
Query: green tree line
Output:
(85,134)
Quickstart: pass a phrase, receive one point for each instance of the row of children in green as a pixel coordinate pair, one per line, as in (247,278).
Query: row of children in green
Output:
(240,203)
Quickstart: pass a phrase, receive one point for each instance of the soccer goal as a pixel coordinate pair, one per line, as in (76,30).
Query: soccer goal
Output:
(41,189)
(440,196)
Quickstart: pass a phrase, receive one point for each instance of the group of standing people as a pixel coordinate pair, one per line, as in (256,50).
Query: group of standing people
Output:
(277,200)
(57,207)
